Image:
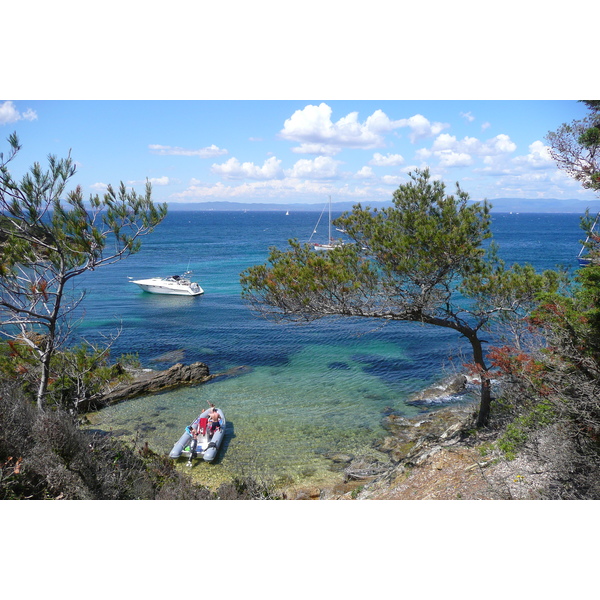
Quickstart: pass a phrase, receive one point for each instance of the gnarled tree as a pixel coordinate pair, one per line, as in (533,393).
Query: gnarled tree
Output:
(48,237)
(421,260)
(575,147)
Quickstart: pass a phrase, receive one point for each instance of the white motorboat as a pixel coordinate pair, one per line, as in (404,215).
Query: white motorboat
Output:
(179,285)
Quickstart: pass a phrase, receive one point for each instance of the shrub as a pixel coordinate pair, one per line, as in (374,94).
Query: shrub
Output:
(47,455)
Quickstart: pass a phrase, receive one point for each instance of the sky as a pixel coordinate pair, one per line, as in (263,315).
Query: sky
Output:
(268,102)
(298,151)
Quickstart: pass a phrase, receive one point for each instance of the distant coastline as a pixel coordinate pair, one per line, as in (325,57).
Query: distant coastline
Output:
(499,205)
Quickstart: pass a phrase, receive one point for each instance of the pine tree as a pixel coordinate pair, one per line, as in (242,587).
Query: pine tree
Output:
(48,237)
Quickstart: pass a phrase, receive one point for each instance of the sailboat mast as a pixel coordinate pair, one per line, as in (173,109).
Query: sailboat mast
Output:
(329,239)
(587,239)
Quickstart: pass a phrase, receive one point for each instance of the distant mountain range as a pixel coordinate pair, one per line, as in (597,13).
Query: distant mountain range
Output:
(552,205)
(498,205)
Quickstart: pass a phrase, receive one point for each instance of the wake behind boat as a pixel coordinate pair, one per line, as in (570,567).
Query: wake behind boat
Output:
(202,438)
(179,285)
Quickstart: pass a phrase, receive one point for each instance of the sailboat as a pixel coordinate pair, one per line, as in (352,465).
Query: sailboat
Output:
(581,257)
(331,243)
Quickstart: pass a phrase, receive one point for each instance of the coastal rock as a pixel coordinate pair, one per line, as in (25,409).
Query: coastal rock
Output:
(362,469)
(235,371)
(305,493)
(411,438)
(338,457)
(451,386)
(148,382)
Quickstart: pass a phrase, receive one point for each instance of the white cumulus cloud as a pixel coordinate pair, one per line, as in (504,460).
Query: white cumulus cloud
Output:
(452,152)
(538,157)
(313,128)
(234,169)
(159,180)
(449,158)
(393,179)
(322,167)
(390,160)
(365,173)
(501,144)
(10,114)
(421,127)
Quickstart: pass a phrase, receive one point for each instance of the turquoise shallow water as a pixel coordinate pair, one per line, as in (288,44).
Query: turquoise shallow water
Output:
(286,421)
(306,392)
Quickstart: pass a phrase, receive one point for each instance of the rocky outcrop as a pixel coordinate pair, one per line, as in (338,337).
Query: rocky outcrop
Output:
(303,493)
(361,469)
(419,449)
(454,385)
(149,382)
(411,440)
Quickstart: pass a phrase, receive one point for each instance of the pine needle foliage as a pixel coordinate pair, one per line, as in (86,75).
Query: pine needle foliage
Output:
(428,258)
(48,237)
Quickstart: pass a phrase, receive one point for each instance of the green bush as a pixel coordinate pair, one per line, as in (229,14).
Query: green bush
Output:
(517,433)
(44,454)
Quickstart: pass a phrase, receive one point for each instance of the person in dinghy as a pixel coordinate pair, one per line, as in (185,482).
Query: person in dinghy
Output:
(197,429)
(214,421)
(203,437)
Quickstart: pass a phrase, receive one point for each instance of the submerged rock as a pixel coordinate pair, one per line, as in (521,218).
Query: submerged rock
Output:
(171,356)
(338,457)
(235,371)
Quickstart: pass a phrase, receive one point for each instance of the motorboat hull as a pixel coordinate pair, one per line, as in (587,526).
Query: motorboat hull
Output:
(154,288)
(174,286)
(207,445)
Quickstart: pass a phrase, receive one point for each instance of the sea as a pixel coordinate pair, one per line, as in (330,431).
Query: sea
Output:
(300,400)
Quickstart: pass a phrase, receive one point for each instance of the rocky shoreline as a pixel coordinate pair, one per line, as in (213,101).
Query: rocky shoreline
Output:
(149,381)
(412,444)
(443,456)
(436,455)
(416,447)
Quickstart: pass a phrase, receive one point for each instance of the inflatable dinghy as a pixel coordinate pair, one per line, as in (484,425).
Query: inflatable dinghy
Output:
(206,443)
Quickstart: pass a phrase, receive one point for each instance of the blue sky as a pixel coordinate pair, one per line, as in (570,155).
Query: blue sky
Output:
(298,151)
(290,103)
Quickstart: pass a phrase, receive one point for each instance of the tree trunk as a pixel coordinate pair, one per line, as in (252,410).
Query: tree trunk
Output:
(44,377)
(486,392)
(486,401)
(50,342)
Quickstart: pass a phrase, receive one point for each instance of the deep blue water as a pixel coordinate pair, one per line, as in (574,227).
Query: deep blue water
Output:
(307,390)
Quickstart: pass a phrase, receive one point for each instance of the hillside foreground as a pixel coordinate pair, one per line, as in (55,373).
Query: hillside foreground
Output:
(440,456)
